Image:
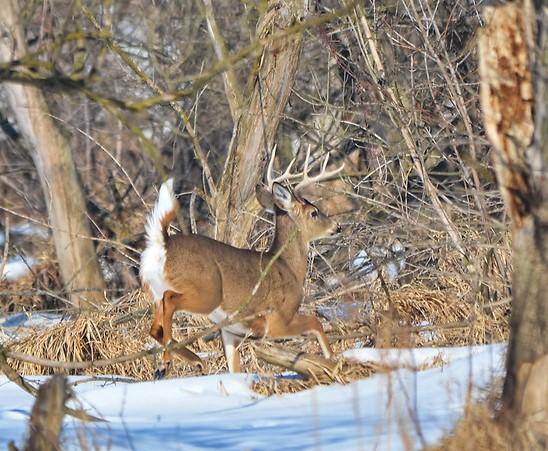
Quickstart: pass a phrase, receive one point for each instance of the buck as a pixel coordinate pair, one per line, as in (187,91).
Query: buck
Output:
(200,275)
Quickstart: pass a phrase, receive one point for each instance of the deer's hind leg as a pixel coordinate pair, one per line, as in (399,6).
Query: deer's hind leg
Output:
(278,327)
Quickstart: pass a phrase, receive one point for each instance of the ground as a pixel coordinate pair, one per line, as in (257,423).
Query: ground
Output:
(402,409)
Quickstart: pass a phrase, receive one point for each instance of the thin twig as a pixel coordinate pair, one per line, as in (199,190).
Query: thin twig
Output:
(192,212)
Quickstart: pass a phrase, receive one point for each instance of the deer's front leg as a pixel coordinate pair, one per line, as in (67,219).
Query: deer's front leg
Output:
(231,343)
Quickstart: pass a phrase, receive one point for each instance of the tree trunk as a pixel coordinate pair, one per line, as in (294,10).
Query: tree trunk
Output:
(258,123)
(512,47)
(51,154)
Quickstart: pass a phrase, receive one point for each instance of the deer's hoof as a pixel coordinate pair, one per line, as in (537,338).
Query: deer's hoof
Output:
(159,373)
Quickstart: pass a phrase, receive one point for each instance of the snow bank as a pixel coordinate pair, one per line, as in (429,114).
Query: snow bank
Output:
(222,412)
(414,358)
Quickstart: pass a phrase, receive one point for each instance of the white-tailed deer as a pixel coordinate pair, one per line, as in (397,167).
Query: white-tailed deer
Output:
(200,275)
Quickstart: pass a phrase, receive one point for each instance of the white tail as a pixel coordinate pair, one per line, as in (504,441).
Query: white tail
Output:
(154,256)
(161,215)
(200,275)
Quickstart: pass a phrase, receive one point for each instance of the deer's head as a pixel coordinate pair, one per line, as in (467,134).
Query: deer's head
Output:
(310,221)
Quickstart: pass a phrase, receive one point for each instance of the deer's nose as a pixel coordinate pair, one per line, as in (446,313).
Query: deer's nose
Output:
(338,229)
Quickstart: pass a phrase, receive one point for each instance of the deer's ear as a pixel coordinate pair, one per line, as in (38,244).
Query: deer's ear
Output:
(265,198)
(283,198)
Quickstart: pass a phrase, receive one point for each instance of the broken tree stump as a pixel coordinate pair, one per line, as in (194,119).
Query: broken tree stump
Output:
(47,415)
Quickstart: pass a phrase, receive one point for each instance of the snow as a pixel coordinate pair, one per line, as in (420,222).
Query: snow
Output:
(28,229)
(16,267)
(411,358)
(16,325)
(31,319)
(221,411)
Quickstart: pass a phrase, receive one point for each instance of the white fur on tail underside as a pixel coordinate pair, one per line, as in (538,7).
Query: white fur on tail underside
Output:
(154,256)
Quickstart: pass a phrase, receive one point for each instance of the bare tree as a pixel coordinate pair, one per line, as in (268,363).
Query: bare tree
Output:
(513,64)
(51,154)
(258,123)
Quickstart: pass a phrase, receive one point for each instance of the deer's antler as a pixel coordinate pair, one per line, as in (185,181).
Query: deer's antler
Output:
(323,175)
(270,179)
(306,179)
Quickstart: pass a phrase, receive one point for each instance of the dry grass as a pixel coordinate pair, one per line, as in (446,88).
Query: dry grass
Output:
(35,290)
(419,316)
(445,310)
(122,329)
(346,372)
(91,336)
(446,318)
(480,430)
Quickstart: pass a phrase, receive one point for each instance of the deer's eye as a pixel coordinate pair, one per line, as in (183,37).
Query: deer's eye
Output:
(314,214)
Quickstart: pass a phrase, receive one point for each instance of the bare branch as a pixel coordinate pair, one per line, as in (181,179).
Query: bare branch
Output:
(232,88)
(198,151)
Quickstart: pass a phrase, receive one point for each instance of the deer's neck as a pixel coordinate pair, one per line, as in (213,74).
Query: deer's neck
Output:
(295,248)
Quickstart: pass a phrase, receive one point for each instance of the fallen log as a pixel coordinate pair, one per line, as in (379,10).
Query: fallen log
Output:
(309,365)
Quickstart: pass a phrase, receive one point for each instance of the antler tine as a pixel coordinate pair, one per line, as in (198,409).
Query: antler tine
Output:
(286,175)
(306,160)
(270,167)
(323,175)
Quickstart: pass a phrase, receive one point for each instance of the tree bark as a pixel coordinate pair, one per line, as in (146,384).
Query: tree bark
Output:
(513,66)
(258,123)
(51,154)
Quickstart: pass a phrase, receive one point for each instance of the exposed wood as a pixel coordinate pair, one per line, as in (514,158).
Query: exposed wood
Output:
(300,362)
(47,415)
(258,123)
(507,104)
(52,157)
(513,67)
